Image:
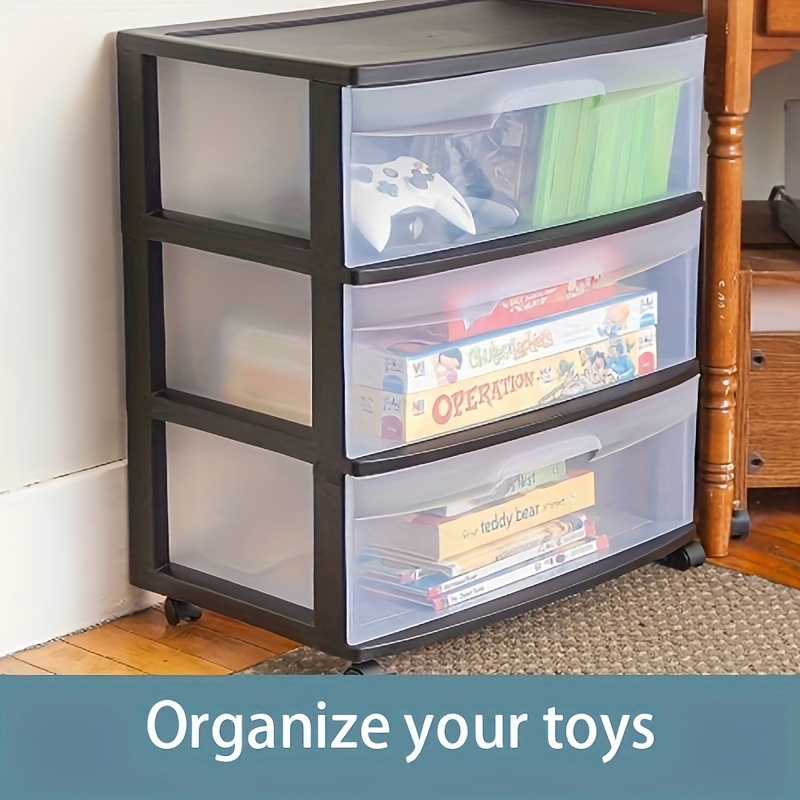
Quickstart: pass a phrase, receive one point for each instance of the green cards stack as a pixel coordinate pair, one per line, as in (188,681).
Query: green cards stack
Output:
(603,154)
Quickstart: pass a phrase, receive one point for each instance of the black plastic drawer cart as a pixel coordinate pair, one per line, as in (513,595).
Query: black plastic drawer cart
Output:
(410,301)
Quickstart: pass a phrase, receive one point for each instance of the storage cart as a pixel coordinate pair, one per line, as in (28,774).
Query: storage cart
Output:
(410,298)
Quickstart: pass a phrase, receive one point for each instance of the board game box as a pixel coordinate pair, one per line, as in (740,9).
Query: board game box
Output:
(416,366)
(460,317)
(397,418)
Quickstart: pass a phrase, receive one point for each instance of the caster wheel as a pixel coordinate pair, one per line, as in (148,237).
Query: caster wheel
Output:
(365,668)
(176,611)
(740,524)
(690,555)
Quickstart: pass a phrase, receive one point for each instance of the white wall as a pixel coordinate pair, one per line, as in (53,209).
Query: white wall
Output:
(62,513)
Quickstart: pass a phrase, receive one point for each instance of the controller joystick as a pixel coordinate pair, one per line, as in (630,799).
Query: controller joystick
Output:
(381,192)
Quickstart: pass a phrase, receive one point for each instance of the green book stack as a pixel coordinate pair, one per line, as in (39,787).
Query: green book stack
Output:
(603,154)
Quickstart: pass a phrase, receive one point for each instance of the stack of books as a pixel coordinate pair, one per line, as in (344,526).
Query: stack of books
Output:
(602,154)
(423,387)
(526,526)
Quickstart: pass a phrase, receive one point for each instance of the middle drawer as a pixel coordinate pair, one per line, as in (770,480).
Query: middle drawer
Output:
(437,354)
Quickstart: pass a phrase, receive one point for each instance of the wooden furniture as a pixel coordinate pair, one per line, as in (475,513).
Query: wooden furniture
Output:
(766,446)
(744,37)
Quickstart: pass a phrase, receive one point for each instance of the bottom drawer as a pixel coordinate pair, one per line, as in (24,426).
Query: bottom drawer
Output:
(432,540)
(773,414)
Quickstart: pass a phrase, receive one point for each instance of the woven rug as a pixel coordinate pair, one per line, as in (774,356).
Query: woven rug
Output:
(651,621)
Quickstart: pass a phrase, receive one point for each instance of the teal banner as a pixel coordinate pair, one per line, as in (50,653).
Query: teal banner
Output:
(395,738)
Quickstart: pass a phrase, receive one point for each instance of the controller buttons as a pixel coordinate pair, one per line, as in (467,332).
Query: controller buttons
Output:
(419,180)
(384,187)
(390,173)
(362,174)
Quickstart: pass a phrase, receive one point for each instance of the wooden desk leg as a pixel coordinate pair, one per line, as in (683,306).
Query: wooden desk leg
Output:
(730,31)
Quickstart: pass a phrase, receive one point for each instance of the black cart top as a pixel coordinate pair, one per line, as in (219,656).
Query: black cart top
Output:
(399,41)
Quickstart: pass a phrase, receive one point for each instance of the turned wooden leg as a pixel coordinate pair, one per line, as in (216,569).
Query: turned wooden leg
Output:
(720,333)
(728,63)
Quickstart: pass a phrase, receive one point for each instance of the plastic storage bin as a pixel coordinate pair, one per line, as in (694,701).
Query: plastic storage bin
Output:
(446,163)
(441,353)
(413,535)
(297,189)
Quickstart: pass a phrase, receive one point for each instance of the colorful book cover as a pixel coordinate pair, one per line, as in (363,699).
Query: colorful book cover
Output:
(435,538)
(415,367)
(401,567)
(526,571)
(435,584)
(391,417)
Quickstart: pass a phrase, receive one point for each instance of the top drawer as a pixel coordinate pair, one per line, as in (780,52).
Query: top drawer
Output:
(436,165)
(438,160)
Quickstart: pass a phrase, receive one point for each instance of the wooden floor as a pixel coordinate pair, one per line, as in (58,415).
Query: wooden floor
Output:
(772,550)
(144,644)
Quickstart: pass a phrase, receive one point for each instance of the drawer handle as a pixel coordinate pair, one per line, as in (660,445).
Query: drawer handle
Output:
(758,359)
(755,462)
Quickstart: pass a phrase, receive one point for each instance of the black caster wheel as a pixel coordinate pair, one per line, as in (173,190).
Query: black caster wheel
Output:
(176,611)
(740,524)
(690,555)
(365,668)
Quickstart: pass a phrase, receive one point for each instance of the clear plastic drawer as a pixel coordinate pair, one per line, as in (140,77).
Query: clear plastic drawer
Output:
(241,513)
(428,541)
(435,165)
(238,332)
(432,355)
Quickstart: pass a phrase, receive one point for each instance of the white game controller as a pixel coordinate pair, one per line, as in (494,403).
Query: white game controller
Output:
(381,191)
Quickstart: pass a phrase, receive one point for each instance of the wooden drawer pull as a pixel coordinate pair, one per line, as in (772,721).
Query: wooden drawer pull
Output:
(758,359)
(754,462)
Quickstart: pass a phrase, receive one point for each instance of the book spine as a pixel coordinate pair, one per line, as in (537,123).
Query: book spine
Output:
(541,549)
(524,482)
(527,571)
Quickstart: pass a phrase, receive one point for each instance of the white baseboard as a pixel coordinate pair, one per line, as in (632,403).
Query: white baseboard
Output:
(64,564)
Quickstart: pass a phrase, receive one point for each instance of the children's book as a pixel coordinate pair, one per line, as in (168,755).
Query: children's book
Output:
(441,600)
(436,584)
(398,566)
(436,538)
